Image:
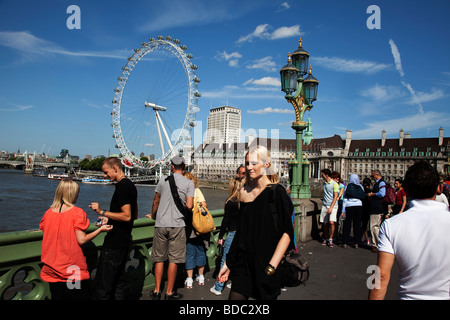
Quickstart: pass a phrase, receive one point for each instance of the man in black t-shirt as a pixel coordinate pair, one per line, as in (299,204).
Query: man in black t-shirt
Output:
(123,211)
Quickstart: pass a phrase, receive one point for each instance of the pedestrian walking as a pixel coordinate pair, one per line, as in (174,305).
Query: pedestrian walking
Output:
(228,226)
(376,207)
(418,241)
(328,214)
(262,235)
(353,208)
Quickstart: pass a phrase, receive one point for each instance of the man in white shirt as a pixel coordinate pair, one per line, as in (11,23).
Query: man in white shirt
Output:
(417,239)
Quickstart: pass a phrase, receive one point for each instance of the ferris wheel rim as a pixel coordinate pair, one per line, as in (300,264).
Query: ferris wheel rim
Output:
(178,51)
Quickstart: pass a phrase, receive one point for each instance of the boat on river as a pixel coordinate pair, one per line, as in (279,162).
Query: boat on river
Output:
(57,176)
(96,181)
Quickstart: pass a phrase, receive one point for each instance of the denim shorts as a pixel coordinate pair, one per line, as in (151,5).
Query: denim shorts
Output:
(195,253)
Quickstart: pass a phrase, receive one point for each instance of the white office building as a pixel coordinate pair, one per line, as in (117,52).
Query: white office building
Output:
(223,125)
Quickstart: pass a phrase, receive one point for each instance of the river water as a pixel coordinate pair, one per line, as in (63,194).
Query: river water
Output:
(24,199)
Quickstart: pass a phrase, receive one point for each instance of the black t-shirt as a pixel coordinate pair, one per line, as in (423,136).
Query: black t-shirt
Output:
(120,235)
(229,221)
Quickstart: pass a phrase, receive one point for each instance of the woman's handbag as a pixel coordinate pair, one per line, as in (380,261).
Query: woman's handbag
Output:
(294,269)
(202,220)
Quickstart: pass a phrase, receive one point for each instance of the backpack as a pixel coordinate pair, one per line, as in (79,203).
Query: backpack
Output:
(354,191)
(202,220)
(293,267)
(389,197)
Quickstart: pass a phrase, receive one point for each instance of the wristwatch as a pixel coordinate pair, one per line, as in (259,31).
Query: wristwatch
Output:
(270,270)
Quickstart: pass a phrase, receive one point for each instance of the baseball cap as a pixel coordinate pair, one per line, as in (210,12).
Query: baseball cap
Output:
(177,160)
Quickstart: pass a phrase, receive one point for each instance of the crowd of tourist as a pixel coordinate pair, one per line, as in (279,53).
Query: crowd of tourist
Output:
(255,242)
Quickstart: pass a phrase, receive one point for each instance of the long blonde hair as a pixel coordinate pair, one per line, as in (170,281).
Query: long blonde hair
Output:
(66,193)
(234,188)
(189,175)
(264,155)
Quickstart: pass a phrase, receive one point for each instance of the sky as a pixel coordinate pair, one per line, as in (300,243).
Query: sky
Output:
(379,68)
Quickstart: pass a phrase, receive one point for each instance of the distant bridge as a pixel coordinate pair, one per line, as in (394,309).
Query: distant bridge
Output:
(43,164)
(30,162)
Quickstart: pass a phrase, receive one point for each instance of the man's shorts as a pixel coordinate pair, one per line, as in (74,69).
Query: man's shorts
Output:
(325,217)
(169,244)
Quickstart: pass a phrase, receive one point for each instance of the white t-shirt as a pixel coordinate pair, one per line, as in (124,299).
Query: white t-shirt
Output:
(419,240)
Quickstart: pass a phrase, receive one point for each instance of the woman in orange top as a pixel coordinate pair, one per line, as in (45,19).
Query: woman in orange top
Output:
(64,227)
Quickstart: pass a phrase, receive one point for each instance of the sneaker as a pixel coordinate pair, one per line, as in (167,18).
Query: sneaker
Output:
(330,243)
(216,292)
(325,242)
(155,295)
(200,279)
(229,285)
(188,283)
(174,296)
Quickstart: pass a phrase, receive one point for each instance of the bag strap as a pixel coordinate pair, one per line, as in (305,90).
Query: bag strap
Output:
(175,195)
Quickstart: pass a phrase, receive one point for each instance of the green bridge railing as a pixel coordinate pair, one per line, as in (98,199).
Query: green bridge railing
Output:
(20,265)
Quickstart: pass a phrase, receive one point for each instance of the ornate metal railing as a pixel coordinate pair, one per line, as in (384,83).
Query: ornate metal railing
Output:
(20,264)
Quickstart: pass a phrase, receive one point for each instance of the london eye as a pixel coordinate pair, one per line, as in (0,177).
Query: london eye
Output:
(155,103)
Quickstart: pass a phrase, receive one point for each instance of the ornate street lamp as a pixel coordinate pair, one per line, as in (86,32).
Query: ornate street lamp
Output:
(300,93)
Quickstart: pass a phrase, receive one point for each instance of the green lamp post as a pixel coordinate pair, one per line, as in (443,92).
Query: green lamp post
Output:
(300,92)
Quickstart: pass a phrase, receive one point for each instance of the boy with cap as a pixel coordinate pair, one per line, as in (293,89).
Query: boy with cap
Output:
(169,240)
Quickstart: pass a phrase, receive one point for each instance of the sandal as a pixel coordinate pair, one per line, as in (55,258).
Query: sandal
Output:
(200,279)
(188,283)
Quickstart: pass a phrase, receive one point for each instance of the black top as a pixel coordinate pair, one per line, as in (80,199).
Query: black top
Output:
(230,218)
(120,235)
(257,237)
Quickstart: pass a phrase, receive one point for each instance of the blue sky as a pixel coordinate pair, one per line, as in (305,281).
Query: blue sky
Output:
(57,84)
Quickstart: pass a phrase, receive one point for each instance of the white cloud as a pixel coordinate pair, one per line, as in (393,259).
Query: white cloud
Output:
(16,107)
(350,65)
(262,32)
(397,59)
(421,97)
(94,105)
(265,63)
(31,47)
(231,58)
(286,32)
(382,93)
(265,81)
(169,14)
(284,6)
(414,97)
(409,123)
(271,110)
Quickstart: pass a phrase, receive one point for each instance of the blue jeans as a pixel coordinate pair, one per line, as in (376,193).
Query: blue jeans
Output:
(226,247)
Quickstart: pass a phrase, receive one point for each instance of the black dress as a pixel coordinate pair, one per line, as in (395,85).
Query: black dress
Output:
(255,242)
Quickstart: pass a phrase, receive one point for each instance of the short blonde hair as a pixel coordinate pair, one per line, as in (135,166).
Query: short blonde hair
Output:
(263,155)
(66,193)
(191,176)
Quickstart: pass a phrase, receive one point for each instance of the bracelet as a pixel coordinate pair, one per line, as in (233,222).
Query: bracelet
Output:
(270,270)
(103,213)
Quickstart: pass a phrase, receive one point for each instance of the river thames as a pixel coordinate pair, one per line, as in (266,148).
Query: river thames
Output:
(24,198)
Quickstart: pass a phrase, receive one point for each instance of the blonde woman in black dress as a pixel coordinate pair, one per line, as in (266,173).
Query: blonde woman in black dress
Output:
(262,236)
